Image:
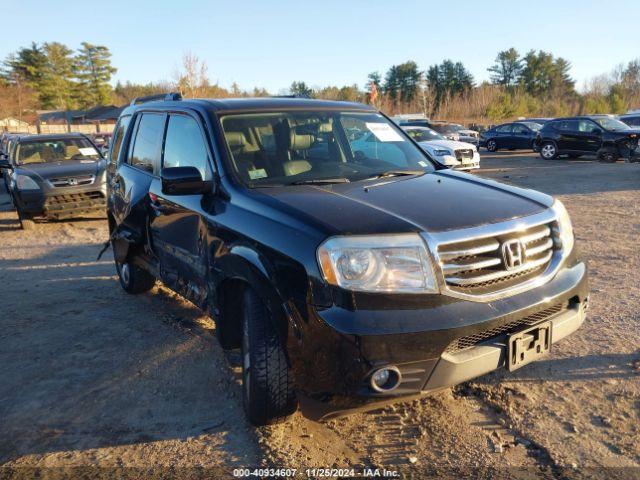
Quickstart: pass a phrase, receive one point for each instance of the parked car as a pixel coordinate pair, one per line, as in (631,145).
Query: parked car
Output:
(101,140)
(600,135)
(510,136)
(631,119)
(345,279)
(450,131)
(458,155)
(55,177)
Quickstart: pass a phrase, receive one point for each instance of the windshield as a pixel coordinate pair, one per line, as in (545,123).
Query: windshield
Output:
(609,123)
(285,148)
(54,150)
(423,134)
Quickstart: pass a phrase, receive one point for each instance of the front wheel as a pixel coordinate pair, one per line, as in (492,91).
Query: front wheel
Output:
(492,146)
(267,384)
(26,222)
(607,155)
(548,151)
(134,279)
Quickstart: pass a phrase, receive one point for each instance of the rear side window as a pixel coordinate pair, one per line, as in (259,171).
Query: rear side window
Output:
(145,152)
(631,121)
(566,125)
(118,136)
(184,145)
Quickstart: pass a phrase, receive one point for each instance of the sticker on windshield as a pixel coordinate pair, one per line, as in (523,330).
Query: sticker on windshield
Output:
(257,173)
(384,132)
(88,151)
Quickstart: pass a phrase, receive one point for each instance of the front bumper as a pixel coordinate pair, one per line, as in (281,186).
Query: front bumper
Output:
(61,203)
(453,162)
(333,352)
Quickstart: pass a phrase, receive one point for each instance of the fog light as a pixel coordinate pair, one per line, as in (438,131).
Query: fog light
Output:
(385,379)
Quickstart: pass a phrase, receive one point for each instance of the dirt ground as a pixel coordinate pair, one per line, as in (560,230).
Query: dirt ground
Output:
(93,377)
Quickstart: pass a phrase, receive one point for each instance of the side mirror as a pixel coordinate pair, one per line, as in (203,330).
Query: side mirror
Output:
(183,181)
(4,163)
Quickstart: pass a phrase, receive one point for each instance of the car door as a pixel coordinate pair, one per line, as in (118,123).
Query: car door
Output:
(521,136)
(568,135)
(138,167)
(178,226)
(590,136)
(503,135)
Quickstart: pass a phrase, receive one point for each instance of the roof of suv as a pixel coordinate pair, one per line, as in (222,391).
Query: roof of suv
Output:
(260,103)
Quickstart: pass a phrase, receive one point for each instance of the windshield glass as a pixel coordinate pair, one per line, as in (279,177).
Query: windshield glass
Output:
(285,148)
(54,150)
(423,134)
(609,123)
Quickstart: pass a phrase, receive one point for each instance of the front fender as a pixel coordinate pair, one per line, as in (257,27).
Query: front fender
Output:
(242,262)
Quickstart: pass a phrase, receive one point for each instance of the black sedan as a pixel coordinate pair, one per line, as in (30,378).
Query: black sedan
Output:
(510,136)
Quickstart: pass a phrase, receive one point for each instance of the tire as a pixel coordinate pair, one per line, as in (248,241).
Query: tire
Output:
(548,151)
(267,384)
(492,146)
(607,155)
(134,279)
(26,222)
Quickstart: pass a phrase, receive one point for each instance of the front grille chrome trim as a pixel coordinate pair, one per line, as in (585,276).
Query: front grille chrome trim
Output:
(436,240)
(502,273)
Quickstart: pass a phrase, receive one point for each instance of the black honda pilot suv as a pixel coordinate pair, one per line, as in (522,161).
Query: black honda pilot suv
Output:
(347,279)
(602,135)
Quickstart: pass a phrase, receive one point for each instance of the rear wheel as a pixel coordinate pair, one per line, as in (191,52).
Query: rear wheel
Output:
(267,383)
(492,146)
(134,279)
(548,151)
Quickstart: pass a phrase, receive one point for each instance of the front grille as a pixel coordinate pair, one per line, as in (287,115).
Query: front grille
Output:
(472,340)
(480,266)
(464,153)
(73,202)
(72,181)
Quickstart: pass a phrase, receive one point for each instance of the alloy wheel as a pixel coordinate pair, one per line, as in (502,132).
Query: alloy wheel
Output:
(548,151)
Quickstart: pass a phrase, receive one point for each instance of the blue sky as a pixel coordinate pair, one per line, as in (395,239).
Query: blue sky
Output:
(270,43)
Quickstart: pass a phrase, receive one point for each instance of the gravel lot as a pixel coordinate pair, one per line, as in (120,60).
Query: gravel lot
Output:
(92,377)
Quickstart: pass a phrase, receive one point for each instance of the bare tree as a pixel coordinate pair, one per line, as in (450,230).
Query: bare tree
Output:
(192,80)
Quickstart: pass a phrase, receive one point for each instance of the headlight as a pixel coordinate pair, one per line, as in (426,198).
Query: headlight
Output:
(381,263)
(441,153)
(564,225)
(24,182)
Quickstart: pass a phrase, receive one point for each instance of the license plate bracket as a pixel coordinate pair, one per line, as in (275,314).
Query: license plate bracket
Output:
(527,345)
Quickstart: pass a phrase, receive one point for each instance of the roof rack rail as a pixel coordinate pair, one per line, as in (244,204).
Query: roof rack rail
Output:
(295,95)
(167,97)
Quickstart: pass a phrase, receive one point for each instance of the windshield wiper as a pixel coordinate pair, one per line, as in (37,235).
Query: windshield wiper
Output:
(397,173)
(320,181)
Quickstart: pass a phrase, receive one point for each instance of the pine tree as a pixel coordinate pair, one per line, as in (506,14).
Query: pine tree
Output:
(57,86)
(94,71)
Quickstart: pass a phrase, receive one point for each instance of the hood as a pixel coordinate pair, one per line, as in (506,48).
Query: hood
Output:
(70,168)
(439,201)
(450,144)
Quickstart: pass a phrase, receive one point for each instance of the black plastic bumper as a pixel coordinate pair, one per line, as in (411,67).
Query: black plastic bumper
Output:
(60,205)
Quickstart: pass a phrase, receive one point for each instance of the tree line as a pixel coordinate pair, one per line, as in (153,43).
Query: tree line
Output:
(52,76)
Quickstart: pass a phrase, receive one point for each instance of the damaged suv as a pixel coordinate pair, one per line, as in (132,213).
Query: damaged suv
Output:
(347,278)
